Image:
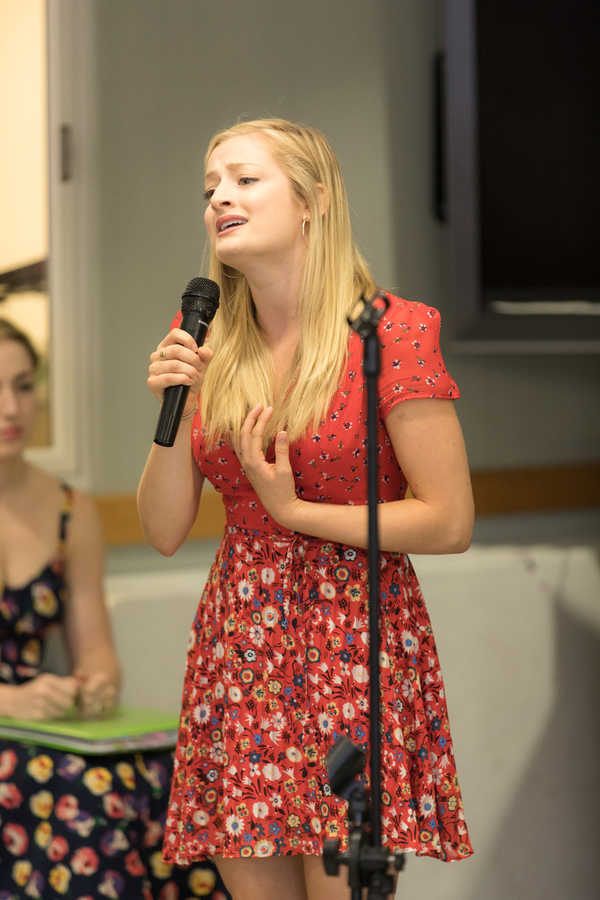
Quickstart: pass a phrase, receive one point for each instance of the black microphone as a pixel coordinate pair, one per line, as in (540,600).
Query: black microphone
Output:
(199,304)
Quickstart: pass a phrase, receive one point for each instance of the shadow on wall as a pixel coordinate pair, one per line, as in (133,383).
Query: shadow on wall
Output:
(548,845)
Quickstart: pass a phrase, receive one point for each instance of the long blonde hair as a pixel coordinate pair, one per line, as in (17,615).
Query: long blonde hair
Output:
(335,275)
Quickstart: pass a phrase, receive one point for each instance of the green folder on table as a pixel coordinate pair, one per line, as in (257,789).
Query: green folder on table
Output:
(128,728)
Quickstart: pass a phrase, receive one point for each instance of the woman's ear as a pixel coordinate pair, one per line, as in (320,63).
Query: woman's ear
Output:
(324,198)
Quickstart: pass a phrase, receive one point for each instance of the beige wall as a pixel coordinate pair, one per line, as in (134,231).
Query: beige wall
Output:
(170,74)
(23,145)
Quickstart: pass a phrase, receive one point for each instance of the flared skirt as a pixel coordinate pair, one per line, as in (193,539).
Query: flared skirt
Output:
(277,670)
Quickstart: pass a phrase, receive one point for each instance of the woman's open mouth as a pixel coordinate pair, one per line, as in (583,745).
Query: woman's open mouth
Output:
(227,223)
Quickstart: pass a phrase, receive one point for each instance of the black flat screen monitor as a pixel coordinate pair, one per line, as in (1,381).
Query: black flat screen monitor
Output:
(522,118)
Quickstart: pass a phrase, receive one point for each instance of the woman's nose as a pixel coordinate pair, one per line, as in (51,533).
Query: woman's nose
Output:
(220,197)
(9,405)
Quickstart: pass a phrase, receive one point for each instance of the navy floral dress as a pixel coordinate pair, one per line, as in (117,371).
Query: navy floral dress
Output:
(79,827)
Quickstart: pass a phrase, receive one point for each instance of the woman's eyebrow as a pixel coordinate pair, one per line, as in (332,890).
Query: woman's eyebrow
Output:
(233,166)
(26,373)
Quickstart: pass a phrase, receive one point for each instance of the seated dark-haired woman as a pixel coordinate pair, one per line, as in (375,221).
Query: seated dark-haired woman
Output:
(80,826)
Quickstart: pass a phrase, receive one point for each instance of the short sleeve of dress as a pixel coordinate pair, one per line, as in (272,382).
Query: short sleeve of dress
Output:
(411,361)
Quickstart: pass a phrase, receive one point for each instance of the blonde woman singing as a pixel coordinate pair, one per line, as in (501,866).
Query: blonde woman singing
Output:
(276,420)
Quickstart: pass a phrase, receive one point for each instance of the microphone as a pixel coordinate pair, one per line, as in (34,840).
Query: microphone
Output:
(199,304)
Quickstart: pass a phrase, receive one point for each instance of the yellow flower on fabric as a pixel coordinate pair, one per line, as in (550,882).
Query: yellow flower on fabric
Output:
(264,848)
(43,834)
(200,817)
(25,625)
(59,879)
(354,592)
(202,881)
(41,768)
(270,617)
(160,868)
(41,804)
(30,654)
(21,872)
(126,773)
(294,754)
(98,780)
(44,600)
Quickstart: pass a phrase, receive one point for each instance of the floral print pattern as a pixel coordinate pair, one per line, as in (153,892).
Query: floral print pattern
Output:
(84,828)
(93,831)
(277,664)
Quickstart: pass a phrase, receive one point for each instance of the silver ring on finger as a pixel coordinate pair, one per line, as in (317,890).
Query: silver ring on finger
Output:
(162,353)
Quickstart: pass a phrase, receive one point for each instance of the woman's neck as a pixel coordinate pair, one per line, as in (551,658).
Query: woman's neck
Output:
(276,294)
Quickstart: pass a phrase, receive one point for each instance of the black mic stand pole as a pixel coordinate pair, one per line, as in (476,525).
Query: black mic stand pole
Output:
(368,862)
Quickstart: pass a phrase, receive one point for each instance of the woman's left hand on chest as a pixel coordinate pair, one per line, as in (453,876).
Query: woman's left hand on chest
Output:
(273,482)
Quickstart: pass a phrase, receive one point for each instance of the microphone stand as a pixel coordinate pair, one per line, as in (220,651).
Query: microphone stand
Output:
(368,862)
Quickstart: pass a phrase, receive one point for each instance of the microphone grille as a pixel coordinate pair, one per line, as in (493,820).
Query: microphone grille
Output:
(202,289)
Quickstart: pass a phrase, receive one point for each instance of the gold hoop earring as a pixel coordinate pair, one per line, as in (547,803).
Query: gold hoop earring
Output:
(304,221)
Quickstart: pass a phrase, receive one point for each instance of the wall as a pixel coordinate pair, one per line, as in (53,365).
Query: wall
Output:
(23,148)
(170,74)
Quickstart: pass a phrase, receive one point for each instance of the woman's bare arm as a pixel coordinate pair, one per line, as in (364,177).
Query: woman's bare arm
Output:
(170,487)
(87,623)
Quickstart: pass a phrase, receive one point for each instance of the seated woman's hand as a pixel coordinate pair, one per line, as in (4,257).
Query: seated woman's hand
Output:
(97,694)
(45,697)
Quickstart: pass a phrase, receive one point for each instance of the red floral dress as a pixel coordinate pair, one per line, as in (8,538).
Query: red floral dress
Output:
(277,666)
